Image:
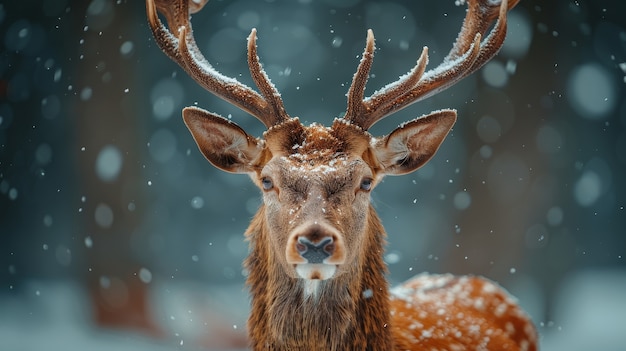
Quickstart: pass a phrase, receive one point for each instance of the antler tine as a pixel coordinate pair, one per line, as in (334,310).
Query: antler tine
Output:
(467,55)
(262,81)
(480,15)
(164,38)
(357,88)
(357,111)
(182,49)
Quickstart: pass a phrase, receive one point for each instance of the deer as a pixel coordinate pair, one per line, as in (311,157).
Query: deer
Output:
(315,270)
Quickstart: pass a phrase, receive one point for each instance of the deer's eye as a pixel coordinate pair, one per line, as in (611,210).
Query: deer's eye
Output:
(267,184)
(366,184)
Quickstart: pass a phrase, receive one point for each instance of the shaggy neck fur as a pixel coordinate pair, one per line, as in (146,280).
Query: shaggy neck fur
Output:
(348,312)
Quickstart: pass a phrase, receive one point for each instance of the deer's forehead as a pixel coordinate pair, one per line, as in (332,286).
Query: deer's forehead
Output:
(311,141)
(316,141)
(339,167)
(316,152)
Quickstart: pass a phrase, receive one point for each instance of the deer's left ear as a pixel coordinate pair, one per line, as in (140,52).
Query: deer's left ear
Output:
(412,144)
(225,144)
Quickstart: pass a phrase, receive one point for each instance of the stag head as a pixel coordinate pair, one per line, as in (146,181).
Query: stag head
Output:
(316,180)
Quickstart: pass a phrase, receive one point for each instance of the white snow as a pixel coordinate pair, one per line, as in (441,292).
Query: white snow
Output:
(55,315)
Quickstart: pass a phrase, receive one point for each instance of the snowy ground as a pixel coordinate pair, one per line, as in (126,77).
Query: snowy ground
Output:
(590,315)
(56,316)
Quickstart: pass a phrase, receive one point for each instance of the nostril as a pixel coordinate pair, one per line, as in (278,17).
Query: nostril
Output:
(329,248)
(301,247)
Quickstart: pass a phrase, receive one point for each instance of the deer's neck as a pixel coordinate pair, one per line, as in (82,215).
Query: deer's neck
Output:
(349,312)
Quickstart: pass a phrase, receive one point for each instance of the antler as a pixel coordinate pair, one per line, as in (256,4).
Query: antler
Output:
(179,44)
(467,55)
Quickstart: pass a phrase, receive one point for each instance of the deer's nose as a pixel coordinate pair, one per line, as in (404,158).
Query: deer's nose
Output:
(315,243)
(315,252)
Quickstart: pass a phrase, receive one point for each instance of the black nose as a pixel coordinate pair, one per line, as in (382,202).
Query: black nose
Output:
(315,252)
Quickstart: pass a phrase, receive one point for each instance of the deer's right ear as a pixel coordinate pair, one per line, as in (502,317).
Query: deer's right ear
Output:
(226,145)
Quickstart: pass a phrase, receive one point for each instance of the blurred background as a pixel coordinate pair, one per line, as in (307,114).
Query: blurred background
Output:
(116,233)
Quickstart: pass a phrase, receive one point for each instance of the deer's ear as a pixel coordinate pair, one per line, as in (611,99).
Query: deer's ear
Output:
(226,145)
(412,144)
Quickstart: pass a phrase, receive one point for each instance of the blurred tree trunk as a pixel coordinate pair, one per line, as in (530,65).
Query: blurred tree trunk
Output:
(107,119)
(502,235)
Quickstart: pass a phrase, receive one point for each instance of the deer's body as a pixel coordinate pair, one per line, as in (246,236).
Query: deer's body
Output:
(316,270)
(355,309)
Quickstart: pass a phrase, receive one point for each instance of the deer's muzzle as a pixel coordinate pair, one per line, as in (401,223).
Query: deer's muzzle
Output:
(315,245)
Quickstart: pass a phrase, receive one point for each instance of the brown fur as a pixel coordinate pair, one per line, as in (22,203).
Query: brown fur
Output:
(355,311)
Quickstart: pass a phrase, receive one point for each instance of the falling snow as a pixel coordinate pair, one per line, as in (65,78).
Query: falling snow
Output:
(98,170)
